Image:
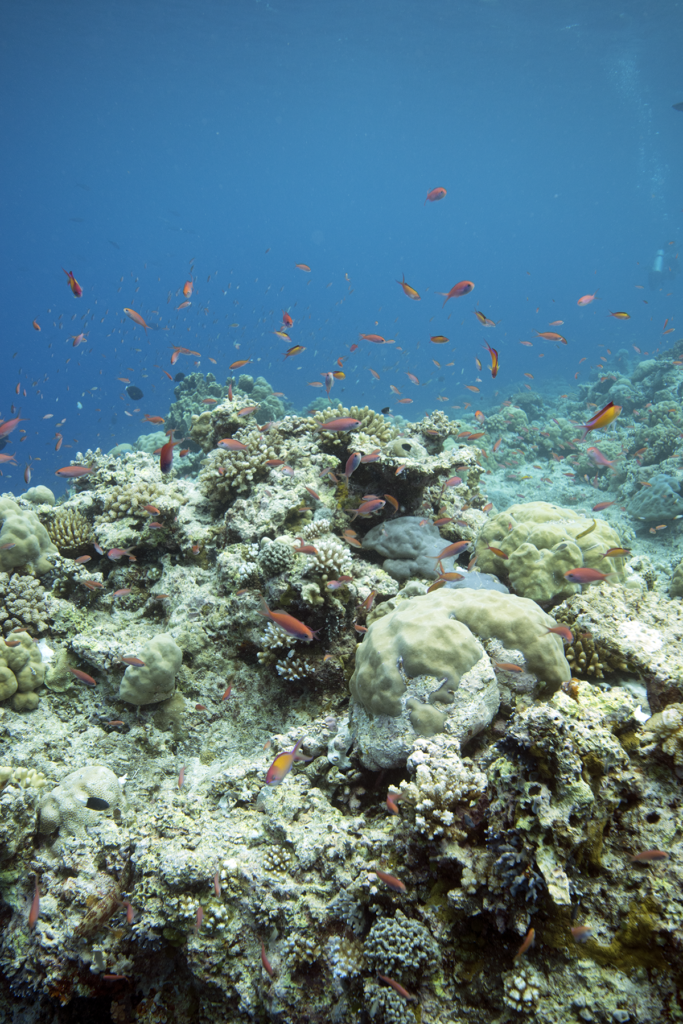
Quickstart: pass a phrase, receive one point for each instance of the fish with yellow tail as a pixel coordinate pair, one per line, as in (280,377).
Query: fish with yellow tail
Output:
(282,765)
(601,419)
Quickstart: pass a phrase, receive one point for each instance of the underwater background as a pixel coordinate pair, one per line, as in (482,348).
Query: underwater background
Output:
(341,564)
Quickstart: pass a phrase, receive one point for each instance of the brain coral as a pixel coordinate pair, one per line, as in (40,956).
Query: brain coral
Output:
(542,542)
(24,541)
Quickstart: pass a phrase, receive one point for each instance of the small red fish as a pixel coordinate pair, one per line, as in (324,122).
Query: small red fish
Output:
(461,288)
(36,325)
(398,988)
(71,472)
(507,666)
(581,933)
(187,289)
(392,801)
(584,575)
(527,944)
(564,632)
(181,777)
(394,883)
(73,284)
(435,195)
(648,856)
(130,659)
(288,624)
(497,551)
(83,676)
(266,962)
(231,445)
(34,912)
(82,559)
(124,592)
(601,505)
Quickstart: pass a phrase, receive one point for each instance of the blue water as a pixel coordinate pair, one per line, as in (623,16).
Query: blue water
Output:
(151,143)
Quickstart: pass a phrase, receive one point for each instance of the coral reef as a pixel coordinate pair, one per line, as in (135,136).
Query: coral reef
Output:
(458,787)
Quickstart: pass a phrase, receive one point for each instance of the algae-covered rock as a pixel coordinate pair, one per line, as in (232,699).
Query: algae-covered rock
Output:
(155,679)
(542,542)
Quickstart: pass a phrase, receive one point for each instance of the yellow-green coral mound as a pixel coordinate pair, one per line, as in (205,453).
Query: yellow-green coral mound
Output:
(24,541)
(543,542)
(21,671)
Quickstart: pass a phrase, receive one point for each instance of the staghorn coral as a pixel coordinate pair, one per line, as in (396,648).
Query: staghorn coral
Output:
(70,531)
(22,604)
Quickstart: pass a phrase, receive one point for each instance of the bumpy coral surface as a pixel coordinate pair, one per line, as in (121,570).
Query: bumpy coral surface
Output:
(541,543)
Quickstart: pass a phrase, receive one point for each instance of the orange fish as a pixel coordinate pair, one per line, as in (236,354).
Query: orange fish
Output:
(238,364)
(377,338)
(303,266)
(187,289)
(531,934)
(135,317)
(166,456)
(73,284)
(288,624)
(410,292)
(435,195)
(461,288)
(286,319)
(394,883)
(555,323)
(551,336)
(153,419)
(471,387)
(184,305)
(36,325)
(35,909)
(585,300)
(494,359)
(439,339)
(412,377)
(374,373)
